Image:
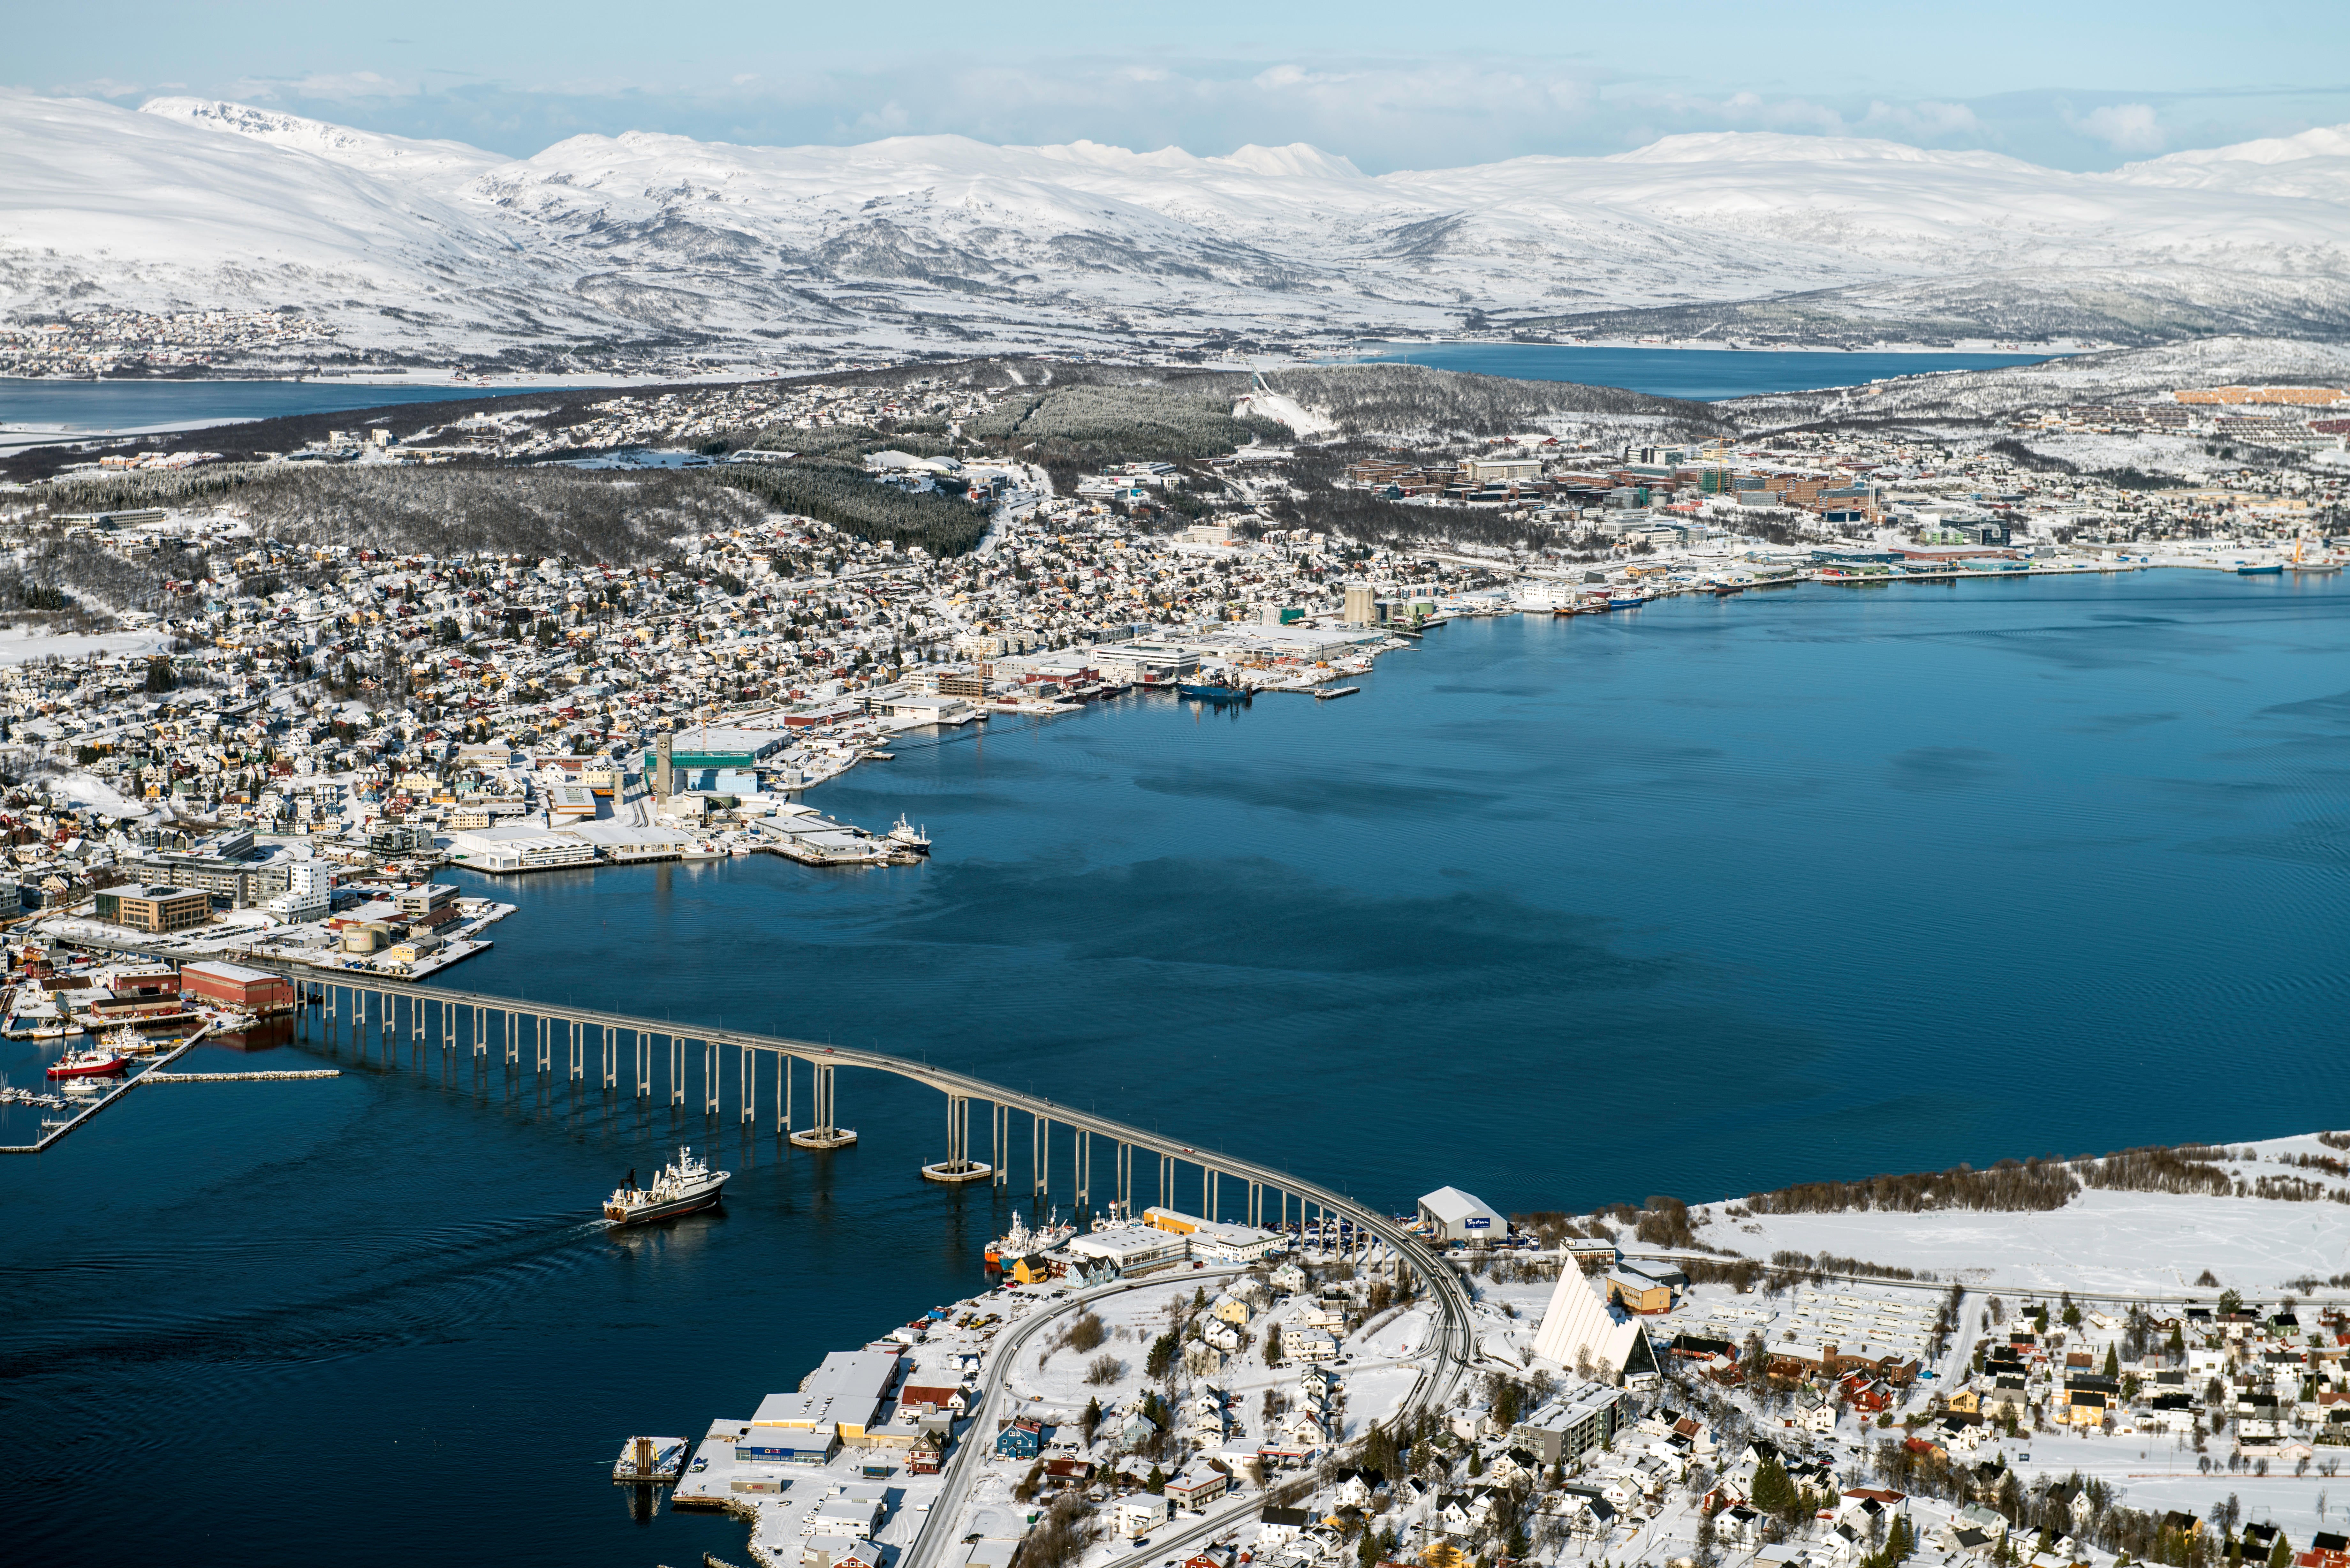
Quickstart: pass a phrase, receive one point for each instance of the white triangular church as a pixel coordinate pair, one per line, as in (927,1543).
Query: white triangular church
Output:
(1579,1324)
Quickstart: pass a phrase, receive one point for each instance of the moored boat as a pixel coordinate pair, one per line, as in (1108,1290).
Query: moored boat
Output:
(34,1015)
(1207,694)
(679,1188)
(1020,1241)
(906,836)
(90,1064)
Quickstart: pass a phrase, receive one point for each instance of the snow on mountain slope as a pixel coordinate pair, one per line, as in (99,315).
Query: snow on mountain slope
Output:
(2314,165)
(651,248)
(390,157)
(101,206)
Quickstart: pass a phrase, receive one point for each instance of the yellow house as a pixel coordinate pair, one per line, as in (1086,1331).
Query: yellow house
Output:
(1966,1402)
(1639,1293)
(1230,1309)
(1030,1271)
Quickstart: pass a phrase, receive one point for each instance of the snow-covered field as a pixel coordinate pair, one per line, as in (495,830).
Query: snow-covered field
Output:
(24,647)
(2123,1243)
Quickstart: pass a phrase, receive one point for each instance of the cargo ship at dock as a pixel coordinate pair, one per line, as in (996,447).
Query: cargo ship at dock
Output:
(1020,1241)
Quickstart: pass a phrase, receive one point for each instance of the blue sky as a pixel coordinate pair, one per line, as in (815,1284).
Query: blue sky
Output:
(1390,85)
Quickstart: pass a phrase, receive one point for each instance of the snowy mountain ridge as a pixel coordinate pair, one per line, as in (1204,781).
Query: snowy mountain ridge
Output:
(653,249)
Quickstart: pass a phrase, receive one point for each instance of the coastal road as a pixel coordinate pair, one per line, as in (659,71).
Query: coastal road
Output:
(970,1454)
(1453,1346)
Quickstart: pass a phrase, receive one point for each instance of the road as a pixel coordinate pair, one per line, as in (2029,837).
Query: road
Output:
(1454,1347)
(972,1452)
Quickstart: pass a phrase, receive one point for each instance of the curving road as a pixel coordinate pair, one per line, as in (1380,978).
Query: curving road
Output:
(1176,1539)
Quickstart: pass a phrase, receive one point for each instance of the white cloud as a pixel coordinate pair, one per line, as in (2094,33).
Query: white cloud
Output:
(1384,113)
(1926,118)
(325,86)
(2123,127)
(101,86)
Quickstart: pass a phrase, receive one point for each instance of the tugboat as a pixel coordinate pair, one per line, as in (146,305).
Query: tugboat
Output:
(680,1189)
(1020,1241)
(906,836)
(90,1064)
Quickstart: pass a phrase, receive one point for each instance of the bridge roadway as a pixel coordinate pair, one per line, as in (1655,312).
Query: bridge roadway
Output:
(1455,1344)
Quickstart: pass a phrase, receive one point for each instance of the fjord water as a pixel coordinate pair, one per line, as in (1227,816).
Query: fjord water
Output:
(136,404)
(1698,899)
(1705,374)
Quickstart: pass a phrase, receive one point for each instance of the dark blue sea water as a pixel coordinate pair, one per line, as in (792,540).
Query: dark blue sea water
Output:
(1700,898)
(1701,373)
(132,405)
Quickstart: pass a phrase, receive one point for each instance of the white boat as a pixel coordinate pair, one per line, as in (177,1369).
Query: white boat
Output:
(906,836)
(35,1015)
(679,1188)
(128,1042)
(1020,1241)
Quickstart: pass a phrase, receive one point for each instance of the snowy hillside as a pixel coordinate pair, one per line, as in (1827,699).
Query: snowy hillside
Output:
(658,249)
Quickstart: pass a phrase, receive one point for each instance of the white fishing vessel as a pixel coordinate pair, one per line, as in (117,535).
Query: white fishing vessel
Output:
(35,1015)
(679,1188)
(1020,1241)
(906,836)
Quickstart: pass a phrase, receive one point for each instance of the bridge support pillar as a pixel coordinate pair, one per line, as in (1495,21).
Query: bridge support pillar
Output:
(957,1166)
(1040,1157)
(677,1069)
(749,1087)
(824,1131)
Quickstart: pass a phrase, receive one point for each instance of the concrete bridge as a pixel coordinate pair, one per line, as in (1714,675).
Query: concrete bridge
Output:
(618,1052)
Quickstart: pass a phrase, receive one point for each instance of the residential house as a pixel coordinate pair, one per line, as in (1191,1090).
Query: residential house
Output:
(1197,1487)
(1282,1525)
(1137,1514)
(1021,1440)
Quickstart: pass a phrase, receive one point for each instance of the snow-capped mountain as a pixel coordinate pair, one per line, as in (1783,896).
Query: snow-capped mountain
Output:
(646,247)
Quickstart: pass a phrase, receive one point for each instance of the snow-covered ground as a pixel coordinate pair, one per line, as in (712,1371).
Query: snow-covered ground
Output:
(2123,1243)
(195,201)
(18,647)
